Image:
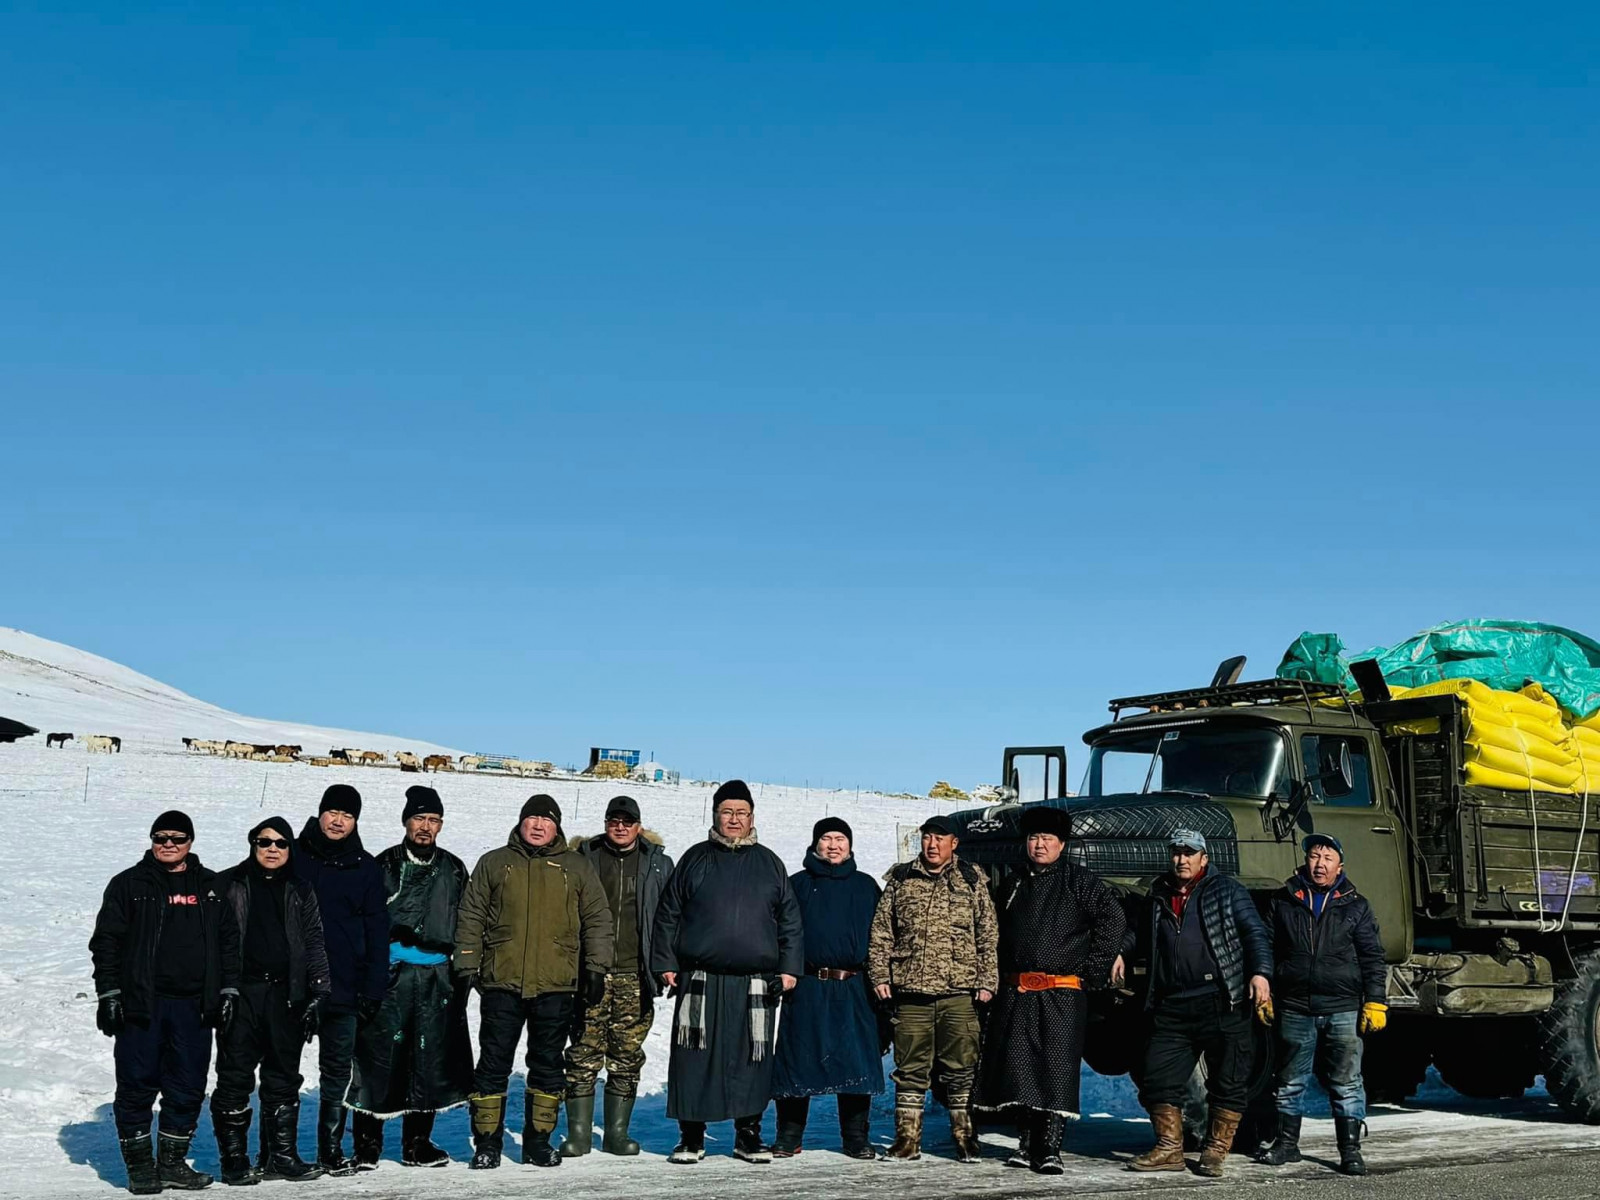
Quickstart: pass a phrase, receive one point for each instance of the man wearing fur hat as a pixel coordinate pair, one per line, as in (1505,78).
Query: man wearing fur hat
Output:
(415,1058)
(728,940)
(633,869)
(533,929)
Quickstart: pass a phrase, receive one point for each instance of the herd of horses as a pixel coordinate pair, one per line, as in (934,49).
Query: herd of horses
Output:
(101,743)
(340,757)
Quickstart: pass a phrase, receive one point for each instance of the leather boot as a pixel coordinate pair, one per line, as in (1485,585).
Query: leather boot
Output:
(1167,1153)
(1219,1142)
(139,1156)
(792,1114)
(580,1126)
(961,1133)
(330,1140)
(691,1147)
(907,1132)
(618,1115)
(1022,1156)
(416,1142)
(172,1163)
(283,1148)
(1285,1147)
(233,1146)
(539,1112)
(855,1114)
(366,1140)
(1348,1131)
(747,1140)
(1045,1144)
(488,1131)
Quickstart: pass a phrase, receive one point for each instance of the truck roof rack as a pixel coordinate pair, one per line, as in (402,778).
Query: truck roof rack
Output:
(1260,691)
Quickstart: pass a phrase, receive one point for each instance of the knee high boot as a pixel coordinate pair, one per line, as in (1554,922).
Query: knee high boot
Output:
(580,1126)
(961,1131)
(366,1140)
(330,1140)
(907,1126)
(855,1114)
(233,1146)
(488,1131)
(539,1111)
(280,1137)
(1219,1142)
(618,1116)
(1167,1153)
(793,1112)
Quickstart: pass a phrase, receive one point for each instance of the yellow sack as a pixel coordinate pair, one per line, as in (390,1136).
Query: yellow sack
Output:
(1473,693)
(1518,741)
(1524,767)
(1478,775)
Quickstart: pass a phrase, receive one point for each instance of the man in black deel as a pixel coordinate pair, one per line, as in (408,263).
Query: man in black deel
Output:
(284,971)
(165,951)
(355,925)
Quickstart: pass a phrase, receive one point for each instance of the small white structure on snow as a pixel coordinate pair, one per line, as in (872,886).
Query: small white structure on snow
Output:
(652,772)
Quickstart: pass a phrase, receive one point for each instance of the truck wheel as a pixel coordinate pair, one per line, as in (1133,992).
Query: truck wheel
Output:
(1486,1058)
(1395,1062)
(1570,1042)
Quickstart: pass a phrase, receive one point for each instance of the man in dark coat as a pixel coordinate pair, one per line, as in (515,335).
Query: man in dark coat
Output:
(415,1058)
(534,929)
(1061,933)
(1331,988)
(165,951)
(284,981)
(355,924)
(609,1036)
(828,1040)
(1210,961)
(729,941)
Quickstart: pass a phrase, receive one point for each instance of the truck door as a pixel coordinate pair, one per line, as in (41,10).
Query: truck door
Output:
(1364,822)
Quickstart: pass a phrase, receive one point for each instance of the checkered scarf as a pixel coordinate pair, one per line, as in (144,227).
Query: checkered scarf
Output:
(691,1021)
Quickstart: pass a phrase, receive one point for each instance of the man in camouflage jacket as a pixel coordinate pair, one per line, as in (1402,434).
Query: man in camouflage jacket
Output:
(933,952)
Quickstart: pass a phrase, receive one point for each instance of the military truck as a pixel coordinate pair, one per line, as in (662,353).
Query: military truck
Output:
(1489,901)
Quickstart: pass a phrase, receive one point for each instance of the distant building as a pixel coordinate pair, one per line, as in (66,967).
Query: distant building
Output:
(653,772)
(599,754)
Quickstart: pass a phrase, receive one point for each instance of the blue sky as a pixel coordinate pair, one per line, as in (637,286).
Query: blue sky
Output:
(837,395)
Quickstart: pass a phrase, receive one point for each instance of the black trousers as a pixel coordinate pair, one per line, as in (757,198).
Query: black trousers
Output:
(501,1016)
(265,1033)
(336,1050)
(1185,1030)
(168,1056)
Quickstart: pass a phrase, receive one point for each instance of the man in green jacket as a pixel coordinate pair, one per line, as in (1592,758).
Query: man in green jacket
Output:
(533,912)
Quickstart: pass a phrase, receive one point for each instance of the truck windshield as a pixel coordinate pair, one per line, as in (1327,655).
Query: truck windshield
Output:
(1204,758)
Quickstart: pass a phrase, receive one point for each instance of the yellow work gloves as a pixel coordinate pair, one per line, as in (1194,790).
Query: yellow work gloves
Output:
(1264,1011)
(1374,1017)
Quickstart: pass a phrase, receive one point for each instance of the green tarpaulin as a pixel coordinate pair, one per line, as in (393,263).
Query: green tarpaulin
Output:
(1502,654)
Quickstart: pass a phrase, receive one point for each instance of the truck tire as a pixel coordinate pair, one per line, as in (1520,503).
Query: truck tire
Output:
(1486,1058)
(1569,1042)
(1395,1062)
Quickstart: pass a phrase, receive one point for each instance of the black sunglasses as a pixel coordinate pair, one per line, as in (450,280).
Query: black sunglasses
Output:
(263,843)
(169,839)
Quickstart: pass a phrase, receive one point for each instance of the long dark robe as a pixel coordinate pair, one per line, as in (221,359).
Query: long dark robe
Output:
(727,910)
(1061,920)
(828,1032)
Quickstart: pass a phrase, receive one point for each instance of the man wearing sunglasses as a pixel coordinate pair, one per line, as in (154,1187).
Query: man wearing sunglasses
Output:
(633,869)
(165,951)
(284,968)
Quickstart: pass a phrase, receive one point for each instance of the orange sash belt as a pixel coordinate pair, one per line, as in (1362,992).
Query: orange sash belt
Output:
(1038,981)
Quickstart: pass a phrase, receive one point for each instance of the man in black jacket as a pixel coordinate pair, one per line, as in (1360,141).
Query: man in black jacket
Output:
(1331,989)
(165,951)
(284,972)
(609,1036)
(1210,961)
(415,1059)
(355,924)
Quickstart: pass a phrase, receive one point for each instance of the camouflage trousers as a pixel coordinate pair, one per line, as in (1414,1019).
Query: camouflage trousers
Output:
(610,1037)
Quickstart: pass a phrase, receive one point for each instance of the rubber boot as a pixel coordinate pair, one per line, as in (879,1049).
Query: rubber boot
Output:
(283,1149)
(747,1143)
(366,1140)
(1167,1153)
(139,1156)
(172,1164)
(580,1126)
(232,1130)
(1348,1131)
(416,1142)
(1045,1145)
(961,1132)
(539,1112)
(907,1132)
(488,1131)
(691,1147)
(792,1114)
(330,1140)
(855,1113)
(619,1115)
(1285,1147)
(1219,1142)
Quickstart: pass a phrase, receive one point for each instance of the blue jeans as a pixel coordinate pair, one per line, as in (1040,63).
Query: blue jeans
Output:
(1331,1046)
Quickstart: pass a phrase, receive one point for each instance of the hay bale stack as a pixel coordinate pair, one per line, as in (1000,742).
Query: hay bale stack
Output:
(943,791)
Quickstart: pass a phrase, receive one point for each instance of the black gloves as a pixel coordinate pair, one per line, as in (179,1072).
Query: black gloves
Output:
(311,1019)
(594,990)
(109,1017)
(226,1011)
(367,1008)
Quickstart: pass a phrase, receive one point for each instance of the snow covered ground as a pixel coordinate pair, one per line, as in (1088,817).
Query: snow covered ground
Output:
(76,819)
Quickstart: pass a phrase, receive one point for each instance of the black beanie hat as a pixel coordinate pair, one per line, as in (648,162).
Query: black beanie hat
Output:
(1042,818)
(173,821)
(734,789)
(831,825)
(341,797)
(421,799)
(279,826)
(540,805)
